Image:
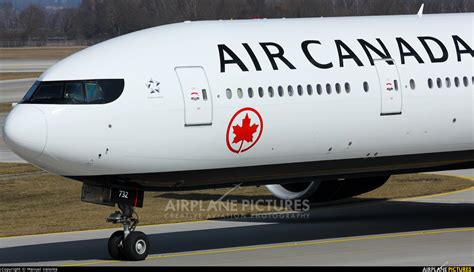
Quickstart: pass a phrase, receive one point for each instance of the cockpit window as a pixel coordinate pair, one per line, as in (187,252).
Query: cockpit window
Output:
(48,92)
(101,91)
(31,91)
(94,92)
(74,92)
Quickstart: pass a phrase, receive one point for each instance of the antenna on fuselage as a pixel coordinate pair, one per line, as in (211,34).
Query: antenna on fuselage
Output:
(420,12)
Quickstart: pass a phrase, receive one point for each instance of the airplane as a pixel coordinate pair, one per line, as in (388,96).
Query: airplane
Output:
(315,109)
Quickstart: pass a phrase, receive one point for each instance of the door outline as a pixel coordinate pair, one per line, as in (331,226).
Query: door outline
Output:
(390,87)
(208,95)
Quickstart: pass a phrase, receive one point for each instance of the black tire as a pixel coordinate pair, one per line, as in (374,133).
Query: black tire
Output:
(115,247)
(136,246)
(341,189)
(358,186)
(327,191)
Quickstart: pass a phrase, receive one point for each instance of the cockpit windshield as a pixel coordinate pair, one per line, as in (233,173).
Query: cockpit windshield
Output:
(100,91)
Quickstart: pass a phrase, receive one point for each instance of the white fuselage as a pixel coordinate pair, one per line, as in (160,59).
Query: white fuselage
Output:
(175,114)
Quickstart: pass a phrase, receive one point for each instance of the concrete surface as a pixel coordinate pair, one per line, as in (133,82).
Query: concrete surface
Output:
(464,173)
(25,66)
(14,90)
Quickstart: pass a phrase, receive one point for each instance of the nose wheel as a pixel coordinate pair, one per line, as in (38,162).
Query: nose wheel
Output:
(127,245)
(115,246)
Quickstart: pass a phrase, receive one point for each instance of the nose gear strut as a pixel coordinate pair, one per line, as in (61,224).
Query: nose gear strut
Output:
(128,244)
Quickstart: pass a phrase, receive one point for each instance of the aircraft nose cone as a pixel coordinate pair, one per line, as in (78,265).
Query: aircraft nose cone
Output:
(25,131)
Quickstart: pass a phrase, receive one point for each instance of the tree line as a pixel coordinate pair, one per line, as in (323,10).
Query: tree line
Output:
(98,20)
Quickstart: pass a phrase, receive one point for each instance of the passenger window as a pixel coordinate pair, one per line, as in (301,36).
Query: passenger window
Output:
(271,93)
(291,92)
(250,91)
(74,92)
(457,82)
(366,86)
(395,82)
(347,86)
(430,83)
(328,88)
(412,84)
(309,89)
(280,91)
(49,91)
(228,93)
(319,89)
(338,88)
(261,93)
(448,82)
(466,81)
(240,93)
(300,90)
(439,83)
(472,79)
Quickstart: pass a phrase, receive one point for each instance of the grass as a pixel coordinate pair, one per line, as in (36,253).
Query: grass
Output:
(38,52)
(10,76)
(412,185)
(32,203)
(16,168)
(5,107)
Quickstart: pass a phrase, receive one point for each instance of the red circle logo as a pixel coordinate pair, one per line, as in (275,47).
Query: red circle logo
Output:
(244,130)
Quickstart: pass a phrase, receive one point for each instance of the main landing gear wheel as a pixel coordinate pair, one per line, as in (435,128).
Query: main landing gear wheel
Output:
(129,245)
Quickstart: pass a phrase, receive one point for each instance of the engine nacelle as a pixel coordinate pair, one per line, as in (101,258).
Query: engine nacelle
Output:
(323,191)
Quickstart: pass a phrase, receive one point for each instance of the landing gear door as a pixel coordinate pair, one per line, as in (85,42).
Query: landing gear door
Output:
(197,96)
(390,87)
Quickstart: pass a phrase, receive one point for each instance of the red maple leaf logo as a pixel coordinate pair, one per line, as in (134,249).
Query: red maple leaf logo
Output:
(245,132)
(243,135)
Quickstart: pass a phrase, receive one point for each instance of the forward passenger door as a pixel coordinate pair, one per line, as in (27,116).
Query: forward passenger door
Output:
(197,95)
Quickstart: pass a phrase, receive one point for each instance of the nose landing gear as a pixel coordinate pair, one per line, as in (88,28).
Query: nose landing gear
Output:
(128,244)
